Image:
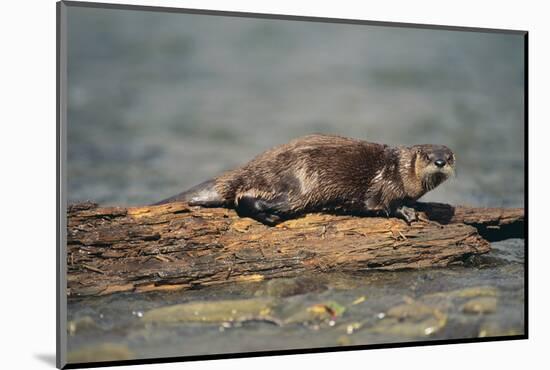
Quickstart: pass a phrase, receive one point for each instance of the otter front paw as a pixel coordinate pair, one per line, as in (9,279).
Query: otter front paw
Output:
(405,213)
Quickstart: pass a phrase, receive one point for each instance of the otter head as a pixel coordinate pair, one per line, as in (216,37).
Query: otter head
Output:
(434,164)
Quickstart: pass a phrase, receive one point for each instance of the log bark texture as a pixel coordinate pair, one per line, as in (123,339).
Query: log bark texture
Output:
(174,246)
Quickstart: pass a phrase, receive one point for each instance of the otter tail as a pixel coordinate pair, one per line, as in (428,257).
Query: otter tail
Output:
(204,194)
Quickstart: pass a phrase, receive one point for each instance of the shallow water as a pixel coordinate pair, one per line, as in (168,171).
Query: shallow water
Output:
(159,102)
(369,300)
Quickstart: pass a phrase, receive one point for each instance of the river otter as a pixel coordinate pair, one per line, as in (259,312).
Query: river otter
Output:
(327,173)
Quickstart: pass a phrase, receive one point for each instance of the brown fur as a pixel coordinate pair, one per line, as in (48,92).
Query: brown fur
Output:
(325,173)
(319,172)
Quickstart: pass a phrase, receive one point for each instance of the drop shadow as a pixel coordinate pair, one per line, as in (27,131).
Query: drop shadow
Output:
(47,358)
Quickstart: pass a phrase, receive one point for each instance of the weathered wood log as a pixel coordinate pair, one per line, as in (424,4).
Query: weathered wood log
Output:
(493,224)
(174,246)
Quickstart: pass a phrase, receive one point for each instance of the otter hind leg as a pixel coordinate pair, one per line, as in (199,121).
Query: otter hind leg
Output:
(269,212)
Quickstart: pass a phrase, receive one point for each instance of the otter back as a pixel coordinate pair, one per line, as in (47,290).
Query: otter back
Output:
(325,173)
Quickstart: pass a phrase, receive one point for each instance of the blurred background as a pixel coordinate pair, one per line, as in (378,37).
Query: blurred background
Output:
(159,102)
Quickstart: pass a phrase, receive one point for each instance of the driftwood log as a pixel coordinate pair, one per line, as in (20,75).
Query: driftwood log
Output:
(175,246)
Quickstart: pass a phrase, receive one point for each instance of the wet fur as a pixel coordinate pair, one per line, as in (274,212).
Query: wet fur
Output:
(323,173)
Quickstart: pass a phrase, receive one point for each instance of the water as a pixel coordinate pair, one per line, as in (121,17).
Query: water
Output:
(160,102)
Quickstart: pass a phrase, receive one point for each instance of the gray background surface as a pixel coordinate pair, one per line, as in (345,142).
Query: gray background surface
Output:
(159,102)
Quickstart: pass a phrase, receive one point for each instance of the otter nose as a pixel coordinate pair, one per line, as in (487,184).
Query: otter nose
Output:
(439,163)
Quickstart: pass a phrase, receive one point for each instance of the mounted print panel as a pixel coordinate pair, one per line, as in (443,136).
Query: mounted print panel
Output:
(236,184)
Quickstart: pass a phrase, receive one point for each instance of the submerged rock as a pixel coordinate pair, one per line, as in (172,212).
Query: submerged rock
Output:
(411,320)
(471,292)
(483,305)
(102,352)
(82,324)
(210,311)
(317,313)
(344,340)
(286,287)
(492,329)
